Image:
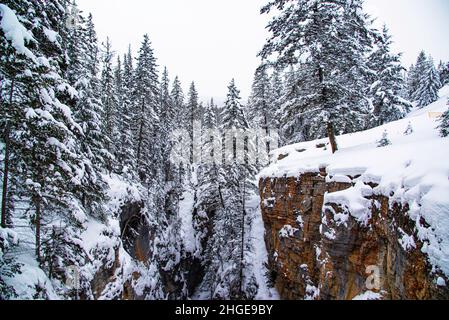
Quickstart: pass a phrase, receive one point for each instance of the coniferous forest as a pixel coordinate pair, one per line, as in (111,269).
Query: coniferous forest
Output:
(117,184)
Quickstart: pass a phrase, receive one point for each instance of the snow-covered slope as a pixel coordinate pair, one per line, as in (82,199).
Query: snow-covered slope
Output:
(413,170)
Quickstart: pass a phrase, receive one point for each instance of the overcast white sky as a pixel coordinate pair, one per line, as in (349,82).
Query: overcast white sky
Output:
(212,41)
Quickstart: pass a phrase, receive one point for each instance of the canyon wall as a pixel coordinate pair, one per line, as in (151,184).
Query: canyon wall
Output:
(316,251)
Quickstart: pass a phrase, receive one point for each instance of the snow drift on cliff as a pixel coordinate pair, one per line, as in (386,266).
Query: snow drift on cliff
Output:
(412,169)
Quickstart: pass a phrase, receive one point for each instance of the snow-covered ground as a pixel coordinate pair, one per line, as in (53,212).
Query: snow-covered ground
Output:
(414,169)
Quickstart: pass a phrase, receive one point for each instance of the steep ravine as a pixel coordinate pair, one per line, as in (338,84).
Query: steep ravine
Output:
(319,251)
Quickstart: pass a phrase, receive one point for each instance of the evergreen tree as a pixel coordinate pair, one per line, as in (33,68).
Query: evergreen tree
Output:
(292,128)
(331,38)
(233,116)
(88,110)
(228,276)
(411,82)
(387,82)
(192,112)
(125,150)
(109,99)
(415,74)
(209,199)
(260,107)
(409,129)
(146,120)
(276,96)
(444,125)
(37,111)
(429,85)
(169,116)
(177,99)
(443,70)
(384,141)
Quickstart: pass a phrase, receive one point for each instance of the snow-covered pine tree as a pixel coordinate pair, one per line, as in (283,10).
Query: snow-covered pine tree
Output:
(169,116)
(177,99)
(125,150)
(443,70)
(118,85)
(146,103)
(15,75)
(292,128)
(233,115)
(44,120)
(444,125)
(192,112)
(168,113)
(83,76)
(260,109)
(387,82)
(429,85)
(276,96)
(409,130)
(332,39)
(168,120)
(171,109)
(229,274)
(209,200)
(384,141)
(411,82)
(76,48)
(414,75)
(211,158)
(109,100)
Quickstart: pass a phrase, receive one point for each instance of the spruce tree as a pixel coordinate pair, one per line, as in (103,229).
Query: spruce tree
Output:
(409,130)
(228,275)
(191,116)
(177,99)
(260,107)
(385,141)
(415,74)
(444,125)
(125,150)
(387,82)
(209,200)
(331,38)
(146,101)
(39,111)
(276,96)
(109,99)
(443,70)
(233,116)
(429,85)
(88,108)
(169,116)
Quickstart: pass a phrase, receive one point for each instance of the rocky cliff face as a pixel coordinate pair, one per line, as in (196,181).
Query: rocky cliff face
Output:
(319,251)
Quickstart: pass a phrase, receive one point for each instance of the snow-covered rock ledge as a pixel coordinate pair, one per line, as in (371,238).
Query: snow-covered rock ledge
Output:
(365,205)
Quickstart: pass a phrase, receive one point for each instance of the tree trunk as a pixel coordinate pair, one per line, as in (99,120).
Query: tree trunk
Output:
(267,131)
(5,177)
(6,164)
(38,228)
(331,135)
(140,138)
(242,248)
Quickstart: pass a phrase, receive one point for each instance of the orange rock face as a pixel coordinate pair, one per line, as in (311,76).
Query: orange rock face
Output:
(307,263)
